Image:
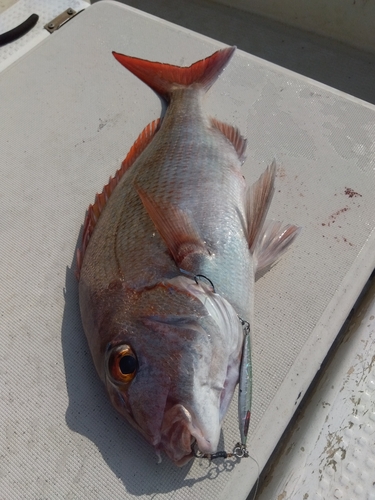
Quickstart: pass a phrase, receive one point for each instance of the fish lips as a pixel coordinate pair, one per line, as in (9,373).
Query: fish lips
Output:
(179,433)
(174,430)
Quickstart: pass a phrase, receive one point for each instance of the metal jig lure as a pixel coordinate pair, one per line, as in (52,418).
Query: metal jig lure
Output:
(244,392)
(244,402)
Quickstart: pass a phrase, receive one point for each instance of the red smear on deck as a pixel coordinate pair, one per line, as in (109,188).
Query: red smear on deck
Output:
(351,193)
(332,218)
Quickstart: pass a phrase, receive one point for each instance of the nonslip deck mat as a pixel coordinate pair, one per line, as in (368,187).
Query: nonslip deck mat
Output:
(69,114)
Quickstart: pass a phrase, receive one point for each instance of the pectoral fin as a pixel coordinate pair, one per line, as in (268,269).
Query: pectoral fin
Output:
(175,227)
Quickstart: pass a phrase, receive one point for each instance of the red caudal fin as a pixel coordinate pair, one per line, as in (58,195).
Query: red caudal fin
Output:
(94,210)
(163,78)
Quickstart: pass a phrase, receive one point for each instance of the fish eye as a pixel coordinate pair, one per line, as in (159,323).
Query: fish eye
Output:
(122,364)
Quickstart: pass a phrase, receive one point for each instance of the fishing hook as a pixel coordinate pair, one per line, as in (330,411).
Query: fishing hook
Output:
(245,325)
(196,277)
(205,277)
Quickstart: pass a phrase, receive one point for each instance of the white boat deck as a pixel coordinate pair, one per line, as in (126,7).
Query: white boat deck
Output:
(69,117)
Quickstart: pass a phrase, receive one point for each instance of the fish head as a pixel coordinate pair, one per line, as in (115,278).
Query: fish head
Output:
(171,366)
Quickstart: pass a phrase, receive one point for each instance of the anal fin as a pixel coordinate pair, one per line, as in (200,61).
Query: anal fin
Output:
(175,227)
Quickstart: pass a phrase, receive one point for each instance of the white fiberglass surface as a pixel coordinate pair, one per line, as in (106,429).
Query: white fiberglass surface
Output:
(69,114)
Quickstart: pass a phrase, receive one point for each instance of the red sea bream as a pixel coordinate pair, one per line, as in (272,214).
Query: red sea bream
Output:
(167,264)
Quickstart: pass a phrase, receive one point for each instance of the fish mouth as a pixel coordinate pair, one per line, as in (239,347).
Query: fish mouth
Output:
(179,433)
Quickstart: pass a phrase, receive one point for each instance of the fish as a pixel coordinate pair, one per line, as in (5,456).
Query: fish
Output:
(167,264)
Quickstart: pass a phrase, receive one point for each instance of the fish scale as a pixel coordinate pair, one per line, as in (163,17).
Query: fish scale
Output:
(167,267)
(195,182)
(196,174)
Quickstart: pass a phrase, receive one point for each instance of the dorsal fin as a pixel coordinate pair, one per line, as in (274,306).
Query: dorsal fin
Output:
(94,210)
(164,78)
(233,135)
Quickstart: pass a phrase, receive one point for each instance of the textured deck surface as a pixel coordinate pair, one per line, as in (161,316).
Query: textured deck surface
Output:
(72,116)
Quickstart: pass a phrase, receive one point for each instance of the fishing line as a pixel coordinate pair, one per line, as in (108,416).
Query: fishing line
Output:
(256,486)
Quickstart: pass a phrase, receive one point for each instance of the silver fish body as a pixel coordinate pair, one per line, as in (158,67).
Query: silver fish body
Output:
(168,348)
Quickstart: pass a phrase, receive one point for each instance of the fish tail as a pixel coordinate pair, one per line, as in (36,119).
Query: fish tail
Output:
(164,78)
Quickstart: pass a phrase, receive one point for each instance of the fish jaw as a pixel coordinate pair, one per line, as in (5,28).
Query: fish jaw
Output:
(176,438)
(180,432)
(143,407)
(173,429)
(170,427)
